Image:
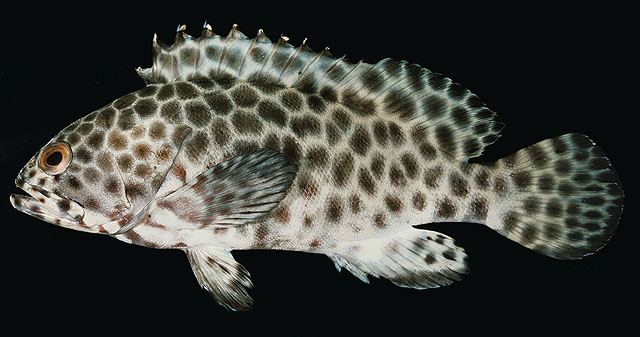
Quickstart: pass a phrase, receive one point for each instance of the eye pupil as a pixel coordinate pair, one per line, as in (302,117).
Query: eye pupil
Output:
(54,158)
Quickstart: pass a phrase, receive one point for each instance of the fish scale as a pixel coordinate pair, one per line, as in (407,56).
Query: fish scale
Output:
(239,143)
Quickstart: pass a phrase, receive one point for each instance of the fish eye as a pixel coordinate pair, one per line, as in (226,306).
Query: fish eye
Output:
(55,158)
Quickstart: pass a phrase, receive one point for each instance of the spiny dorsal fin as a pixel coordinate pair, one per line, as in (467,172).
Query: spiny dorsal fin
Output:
(438,111)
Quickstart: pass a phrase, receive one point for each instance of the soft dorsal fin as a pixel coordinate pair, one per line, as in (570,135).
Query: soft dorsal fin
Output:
(440,112)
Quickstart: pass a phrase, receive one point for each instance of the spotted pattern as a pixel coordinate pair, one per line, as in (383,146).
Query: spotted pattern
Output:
(377,147)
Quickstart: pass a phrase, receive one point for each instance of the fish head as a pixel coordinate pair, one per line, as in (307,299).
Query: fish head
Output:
(74,183)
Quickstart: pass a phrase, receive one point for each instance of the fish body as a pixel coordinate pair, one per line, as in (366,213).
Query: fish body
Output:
(239,143)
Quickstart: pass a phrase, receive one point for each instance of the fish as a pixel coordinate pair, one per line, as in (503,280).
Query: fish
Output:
(240,143)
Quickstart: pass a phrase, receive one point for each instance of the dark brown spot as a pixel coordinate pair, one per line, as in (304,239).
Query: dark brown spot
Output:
(546,183)
(147,91)
(272,142)
(432,176)
(410,165)
(105,118)
(180,172)
(180,133)
(328,94)
(186,90)
(393,203)
(316,104)
(532,205)
(164,153)
(85,128)
(198,113)
(360,141)
(138,132)
(482,179)
(449,255)
(157,131)
(221,131)
(74,182)
(396,134)
(377,165)
(64,205)
(537,155)
(308,187)
(333,133)
(112,185)
(419,201)
(125,161)
(166,92)
(96,139)
(142,170)
(445,208)
(317,157)
(117,140)
(291,100)
(145,107)
(334,209)
(522,179)
(306,125)
(126,120)
(73,138)
(134,191)
(366,181)
(141,151)
(359,105)
(446,139)
(459,186)
(170,112)
(272,112)
(307,222)
(83,155)
(246,123)
(575,236)
(510,221)
(380,133)
(242,147)
(342,168)
(355,203)
(291,148)
(103,160)
(435,106)
(244,96)
(124,101)
(219,102)
(315,243)
(479,209)
(342,119)
(528,235)
(554,208)
(379,220)
(283,215)
(500,186)
(396,176)
(91,175)
(430,259)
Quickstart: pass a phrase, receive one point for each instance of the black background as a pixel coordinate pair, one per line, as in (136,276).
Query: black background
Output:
(546,70)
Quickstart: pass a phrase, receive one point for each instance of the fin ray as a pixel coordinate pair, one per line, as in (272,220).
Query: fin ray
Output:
(568,201)
(449,116)
(412,258)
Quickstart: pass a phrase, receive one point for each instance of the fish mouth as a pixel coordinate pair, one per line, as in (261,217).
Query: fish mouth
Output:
(47,206)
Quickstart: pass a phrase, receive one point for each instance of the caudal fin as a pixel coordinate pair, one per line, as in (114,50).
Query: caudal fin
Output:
(567,201)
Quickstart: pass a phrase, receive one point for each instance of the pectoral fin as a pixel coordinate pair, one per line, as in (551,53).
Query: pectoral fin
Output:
(234,192)
(222,276)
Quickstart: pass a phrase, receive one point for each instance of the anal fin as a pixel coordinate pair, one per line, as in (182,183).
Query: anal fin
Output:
(412,258)
(222,276)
